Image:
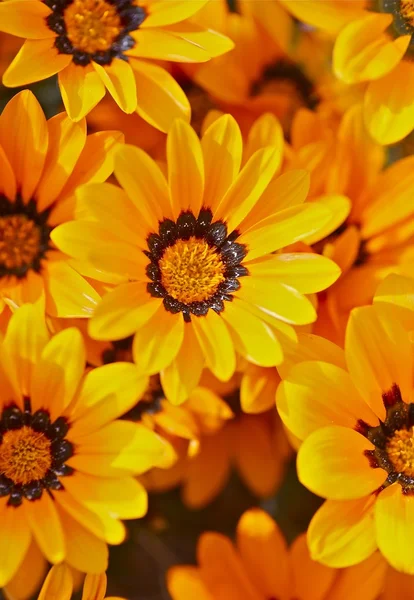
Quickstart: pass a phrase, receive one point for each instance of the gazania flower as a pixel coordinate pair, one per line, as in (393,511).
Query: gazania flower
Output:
(373,45)
(96,45)
(192,257)
(41,163)
(290,71)
(259,565)
(59,584)
(355,418)
(63,456)
(376,237)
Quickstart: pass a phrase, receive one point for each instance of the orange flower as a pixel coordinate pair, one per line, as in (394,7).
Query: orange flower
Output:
(42,163)
(96,45)
(260,566)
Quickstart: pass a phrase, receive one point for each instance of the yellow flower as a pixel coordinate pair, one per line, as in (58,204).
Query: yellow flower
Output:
(373,46)
(192,258)
(353,411)
(42,162)
(260,566)
(59,585)
(63,455)
(98,45)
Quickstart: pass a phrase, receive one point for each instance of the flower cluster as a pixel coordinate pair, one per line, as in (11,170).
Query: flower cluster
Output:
(207,299)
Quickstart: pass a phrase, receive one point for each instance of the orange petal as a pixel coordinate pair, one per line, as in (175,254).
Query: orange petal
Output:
(14,540)
(58,584)
(186,582)
(8,179)
(26,143)
(26,19)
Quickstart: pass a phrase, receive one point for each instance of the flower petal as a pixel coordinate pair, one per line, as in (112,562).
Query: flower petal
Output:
(160,98)
(216,343)
(13,527)
(66,142)
(160,44)
(35,61)
(57,375)
(26,19)
(161,14)
(58,584)
(119,80)
(222,147)
(186,582)
(68,293)
(389,105)
(253,338)
(364,52)
(107,392)
(178,381)
(185,169)
(247,188)
(332,463)
(311,580)
(8,179)
(378,354)
(45,524)
(394,522)
(81,89)
(342,533)
(304,411)
(26,142)
(122,312)
(259,541)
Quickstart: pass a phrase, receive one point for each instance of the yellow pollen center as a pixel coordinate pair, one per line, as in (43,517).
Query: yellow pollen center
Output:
(407,10)
(19,241)
(191,270)
(400,451)
(25,455)
(92,25)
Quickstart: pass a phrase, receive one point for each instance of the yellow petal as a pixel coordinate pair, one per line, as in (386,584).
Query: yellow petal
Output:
(332,463)
(364,52)
(186,582)
(14,541)
(160,98)
(185,168)
(36,60)
(94,587)
(119,80)
(175,11)
(81,89)
(46,527)
(216,343)
(68,293)
(342,533)
(26,19)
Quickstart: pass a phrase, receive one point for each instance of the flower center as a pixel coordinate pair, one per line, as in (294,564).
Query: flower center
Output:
(20,240)
(194,264)
(191,270)
(97,30)
(25,455)
(92,25)
(407,11)
(400,450)
(33,453)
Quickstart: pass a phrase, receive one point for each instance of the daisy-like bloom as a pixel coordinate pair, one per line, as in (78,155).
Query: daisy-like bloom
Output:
(376,237)
(227,438)
(354,414)
(59,585)
(63,455)
(374,45)
(41,164)
(98,45)
(260,566)
(275,67)
(192,259)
